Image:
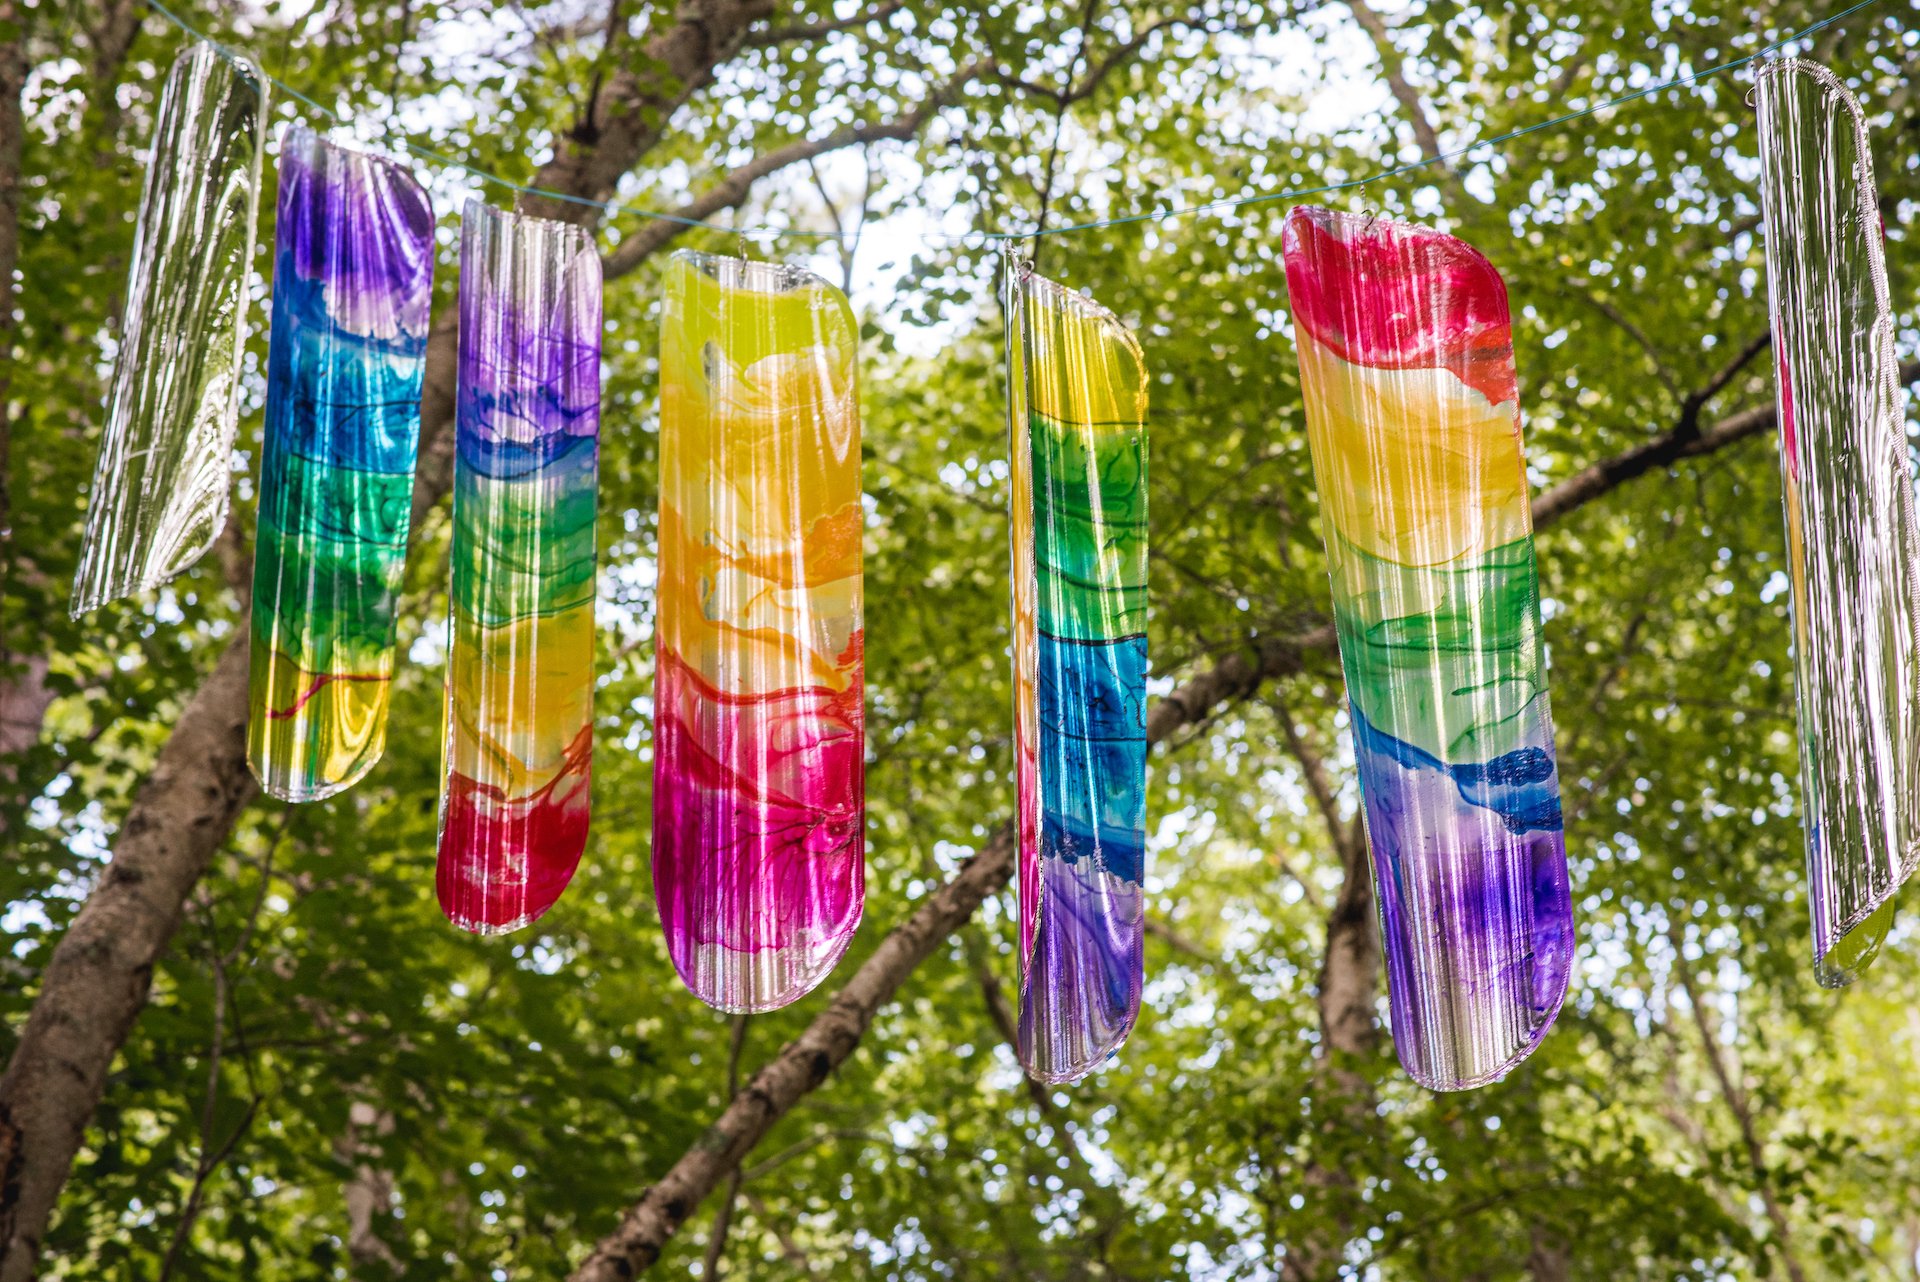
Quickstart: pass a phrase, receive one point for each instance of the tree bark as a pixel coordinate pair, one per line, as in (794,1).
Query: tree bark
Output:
(100,972)
(23,692)
(13,80)
(1344,996)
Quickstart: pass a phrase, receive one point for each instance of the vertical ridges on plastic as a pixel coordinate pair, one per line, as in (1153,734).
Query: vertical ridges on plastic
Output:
(1851,545)
(519,732)
(759,729)
(159,495)
(1413,417)
(1077,420)
(352,291)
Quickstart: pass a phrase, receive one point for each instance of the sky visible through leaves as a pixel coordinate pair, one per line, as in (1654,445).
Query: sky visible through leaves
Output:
(382,1096)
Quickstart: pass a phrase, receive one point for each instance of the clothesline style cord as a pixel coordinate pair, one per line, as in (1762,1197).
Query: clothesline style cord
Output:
(991,236)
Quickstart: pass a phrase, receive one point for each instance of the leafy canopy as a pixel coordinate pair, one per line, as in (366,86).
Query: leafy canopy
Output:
(361,1087)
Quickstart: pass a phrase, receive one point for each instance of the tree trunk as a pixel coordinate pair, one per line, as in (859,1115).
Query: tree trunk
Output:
(1350,972)
(13,79)
(98,978)
(23,692)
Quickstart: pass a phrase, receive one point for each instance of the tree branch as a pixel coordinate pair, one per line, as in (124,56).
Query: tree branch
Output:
(368,1191)
(1179,943)
(212,1157)
(1088,10)
(800,31)
(1393,68)
(1685,441)
(1737,1104)
(994,997)
(1344,994)
(631,112)
(99,974)
(24,696)
(112,39)
(737,185)
(799,1069)
(1314,772)
(1349,969)
(1625,325)
(1697,399)
(1067,95)
(788,1247)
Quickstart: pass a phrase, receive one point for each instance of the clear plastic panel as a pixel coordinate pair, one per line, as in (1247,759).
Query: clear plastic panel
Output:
(1077,407)
(519,735)
(759,735)
(1851,542)
(159,492)
(1413,416)
(352,291)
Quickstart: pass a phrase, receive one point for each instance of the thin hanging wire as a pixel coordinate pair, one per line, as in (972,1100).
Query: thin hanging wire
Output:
(616,209)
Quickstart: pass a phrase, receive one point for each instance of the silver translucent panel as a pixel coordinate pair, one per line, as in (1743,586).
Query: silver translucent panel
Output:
(160,487)
(1851,538)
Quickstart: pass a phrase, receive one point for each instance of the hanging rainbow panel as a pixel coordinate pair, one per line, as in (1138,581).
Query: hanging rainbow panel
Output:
(759,739)
(1077,415)
(1413,414)
(352,288)
(519,732)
